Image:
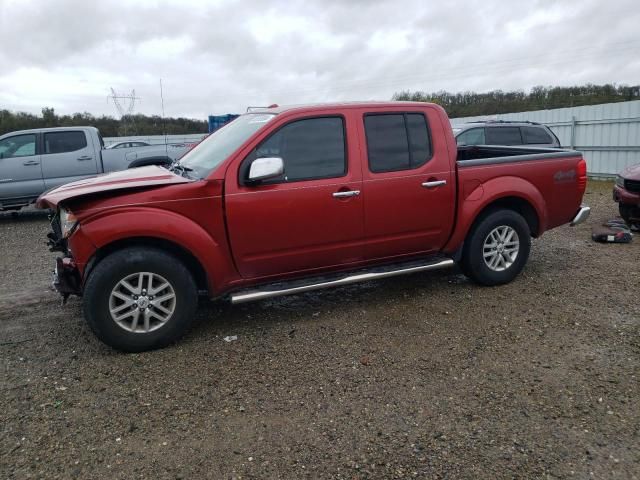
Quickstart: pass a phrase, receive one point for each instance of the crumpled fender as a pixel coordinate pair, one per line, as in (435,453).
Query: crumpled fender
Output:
(132,222)
(484,194)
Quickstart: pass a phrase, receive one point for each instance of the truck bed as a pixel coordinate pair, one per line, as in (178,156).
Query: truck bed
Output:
(489,154)
(545,177)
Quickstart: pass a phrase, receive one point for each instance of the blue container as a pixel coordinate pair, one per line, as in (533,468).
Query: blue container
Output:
(217,121)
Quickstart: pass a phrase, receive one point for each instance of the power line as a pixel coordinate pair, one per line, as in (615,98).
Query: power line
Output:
(126,113)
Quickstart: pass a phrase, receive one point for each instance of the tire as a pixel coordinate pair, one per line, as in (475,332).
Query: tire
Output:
(629,213)
(502,228)
(141,320)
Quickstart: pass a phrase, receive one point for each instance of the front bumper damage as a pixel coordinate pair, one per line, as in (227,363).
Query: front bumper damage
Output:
(66,278)
(66,275)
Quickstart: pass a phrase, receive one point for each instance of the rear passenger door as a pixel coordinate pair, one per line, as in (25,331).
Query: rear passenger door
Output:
(67,156)
(408,189)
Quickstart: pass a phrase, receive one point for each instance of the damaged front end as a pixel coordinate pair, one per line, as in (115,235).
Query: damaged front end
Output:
(66,276)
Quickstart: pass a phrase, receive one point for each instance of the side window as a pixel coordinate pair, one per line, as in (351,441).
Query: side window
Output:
(473,136)
(18,146)
(397,141)
(313,148)
(535,135)
(503,136)
(62,142)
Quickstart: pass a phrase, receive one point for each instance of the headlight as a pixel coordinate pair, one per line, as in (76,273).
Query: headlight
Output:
(619,181)
(68,222)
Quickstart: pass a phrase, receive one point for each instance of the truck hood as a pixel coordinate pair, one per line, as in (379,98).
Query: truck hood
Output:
(150,176)
(632,172)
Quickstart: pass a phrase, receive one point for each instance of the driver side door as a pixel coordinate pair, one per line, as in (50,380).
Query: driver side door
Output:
(310,217)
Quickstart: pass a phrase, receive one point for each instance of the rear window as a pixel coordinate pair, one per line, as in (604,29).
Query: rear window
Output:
(62,142)
(397,141)
(535,135)
(503,136)
(473,136)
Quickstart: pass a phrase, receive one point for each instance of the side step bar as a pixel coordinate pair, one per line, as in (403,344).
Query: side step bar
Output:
(275,291)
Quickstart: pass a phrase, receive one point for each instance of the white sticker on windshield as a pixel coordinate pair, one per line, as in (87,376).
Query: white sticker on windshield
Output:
(261,119)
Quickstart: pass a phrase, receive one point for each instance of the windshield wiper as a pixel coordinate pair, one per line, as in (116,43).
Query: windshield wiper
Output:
(180,169)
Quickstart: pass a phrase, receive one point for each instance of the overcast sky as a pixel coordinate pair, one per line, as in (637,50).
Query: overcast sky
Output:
(219,57)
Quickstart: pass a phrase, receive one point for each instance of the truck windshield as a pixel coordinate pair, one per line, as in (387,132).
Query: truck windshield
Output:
(213,150)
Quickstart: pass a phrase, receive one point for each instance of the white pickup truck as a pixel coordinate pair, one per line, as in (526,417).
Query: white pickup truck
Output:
(34,161)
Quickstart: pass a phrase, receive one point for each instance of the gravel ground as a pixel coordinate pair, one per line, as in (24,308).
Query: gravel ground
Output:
(423,376)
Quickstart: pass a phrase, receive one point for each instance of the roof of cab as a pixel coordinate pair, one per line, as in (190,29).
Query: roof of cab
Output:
(338,105)
(49,129)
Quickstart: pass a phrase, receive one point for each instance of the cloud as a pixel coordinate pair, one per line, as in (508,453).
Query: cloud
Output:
(219,57)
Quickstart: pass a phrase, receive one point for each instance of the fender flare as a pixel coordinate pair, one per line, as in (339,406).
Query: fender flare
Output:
(488,193)
(157,160)
(130,223)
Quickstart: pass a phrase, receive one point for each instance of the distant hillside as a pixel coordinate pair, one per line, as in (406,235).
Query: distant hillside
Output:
(467,104)
(108,126)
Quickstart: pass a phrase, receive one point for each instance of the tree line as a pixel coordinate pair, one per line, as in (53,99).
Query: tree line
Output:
(108,126)
(463,104)
(468,104)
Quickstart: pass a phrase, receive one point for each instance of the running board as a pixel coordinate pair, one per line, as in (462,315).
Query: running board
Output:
(283,289)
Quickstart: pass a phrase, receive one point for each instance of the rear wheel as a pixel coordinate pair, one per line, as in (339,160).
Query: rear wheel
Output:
(140,299)
(497,248)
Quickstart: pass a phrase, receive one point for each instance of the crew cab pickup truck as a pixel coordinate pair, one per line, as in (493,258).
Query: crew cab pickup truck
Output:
(293,199)
(33,161)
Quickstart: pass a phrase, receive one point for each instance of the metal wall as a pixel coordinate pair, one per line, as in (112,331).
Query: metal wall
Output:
(157,139)
(607,134)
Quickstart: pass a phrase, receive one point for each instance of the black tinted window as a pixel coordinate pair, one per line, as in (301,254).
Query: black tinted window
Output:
(397,141)
(61,142)
(473,136)
(419,142)
(535,135)
(312,148)
(18,146)
(503,136)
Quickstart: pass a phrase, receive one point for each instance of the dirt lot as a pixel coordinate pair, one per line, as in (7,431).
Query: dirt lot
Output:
(424,376)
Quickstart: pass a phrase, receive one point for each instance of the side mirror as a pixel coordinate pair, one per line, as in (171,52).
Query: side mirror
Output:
(265,168)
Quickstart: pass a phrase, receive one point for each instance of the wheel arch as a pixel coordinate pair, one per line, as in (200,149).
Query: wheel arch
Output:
(517,204)
(192,263)
(207,258)
(521,197)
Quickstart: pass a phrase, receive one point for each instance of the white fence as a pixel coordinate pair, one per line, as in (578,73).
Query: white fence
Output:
(607,134)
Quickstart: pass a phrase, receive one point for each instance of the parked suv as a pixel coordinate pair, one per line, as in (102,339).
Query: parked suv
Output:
(500,132)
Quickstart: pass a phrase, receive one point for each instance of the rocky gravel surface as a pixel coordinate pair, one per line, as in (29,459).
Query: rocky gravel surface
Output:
(423,376)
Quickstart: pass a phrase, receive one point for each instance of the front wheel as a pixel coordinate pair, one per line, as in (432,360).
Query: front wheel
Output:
(497,248)
(140,299)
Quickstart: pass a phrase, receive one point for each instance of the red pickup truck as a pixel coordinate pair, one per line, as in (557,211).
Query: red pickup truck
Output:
(291,199)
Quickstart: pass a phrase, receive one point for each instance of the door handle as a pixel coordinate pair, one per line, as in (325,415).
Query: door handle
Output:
(84,158)
(348,193)
(434,183)
(31,162)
